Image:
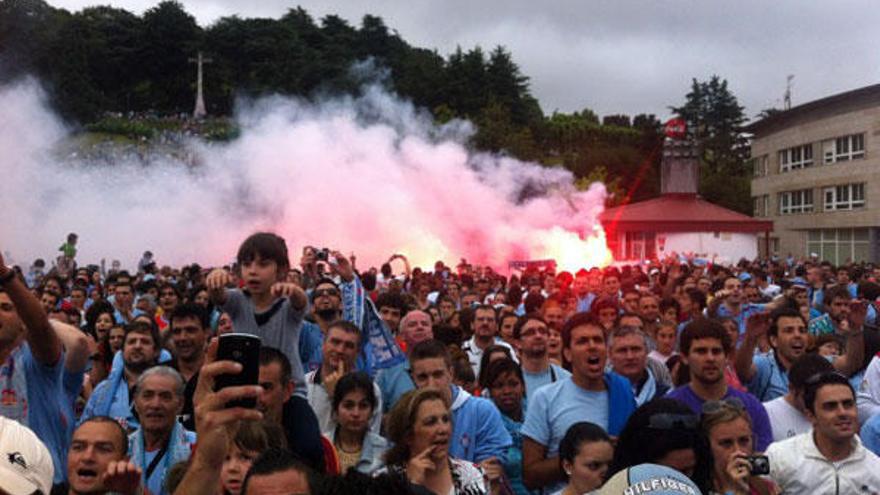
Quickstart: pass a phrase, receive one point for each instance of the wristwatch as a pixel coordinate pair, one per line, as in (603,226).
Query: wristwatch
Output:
(7,277)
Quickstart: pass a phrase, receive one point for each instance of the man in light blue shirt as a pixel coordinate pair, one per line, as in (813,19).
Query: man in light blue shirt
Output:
(123,303)
(766,375)
(728,303)
(140,350)
(532,333)
(590,394)
(31,369)
(581,288)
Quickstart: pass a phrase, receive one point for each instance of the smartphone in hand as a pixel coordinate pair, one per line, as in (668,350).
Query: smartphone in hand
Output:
(244,349)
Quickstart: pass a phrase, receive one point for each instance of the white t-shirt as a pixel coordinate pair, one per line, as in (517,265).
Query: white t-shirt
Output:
(322,405)
(785,420)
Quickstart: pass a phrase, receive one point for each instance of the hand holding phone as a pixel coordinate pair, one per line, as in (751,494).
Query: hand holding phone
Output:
(243,349)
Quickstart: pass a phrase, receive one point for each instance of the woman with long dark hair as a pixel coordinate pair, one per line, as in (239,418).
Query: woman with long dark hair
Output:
(354,400)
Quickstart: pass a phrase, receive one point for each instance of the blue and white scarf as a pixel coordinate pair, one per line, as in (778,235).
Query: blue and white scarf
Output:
(381,349)
(649,389)
(179,450)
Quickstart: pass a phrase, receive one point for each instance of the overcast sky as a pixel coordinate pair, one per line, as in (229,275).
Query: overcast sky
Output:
(622,56)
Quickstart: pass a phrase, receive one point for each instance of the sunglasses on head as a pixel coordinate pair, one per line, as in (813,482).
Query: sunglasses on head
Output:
(713,406)
(824,375)
(672,421)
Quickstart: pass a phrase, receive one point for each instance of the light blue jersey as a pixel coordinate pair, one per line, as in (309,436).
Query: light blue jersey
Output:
(552,374)
(770,380)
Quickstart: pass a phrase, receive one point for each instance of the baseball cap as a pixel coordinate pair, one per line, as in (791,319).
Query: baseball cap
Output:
(25,463)
(649,479)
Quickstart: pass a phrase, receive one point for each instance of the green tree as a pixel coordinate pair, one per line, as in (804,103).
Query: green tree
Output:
(617,120)
(73,51)
(170,38)
(715,119)
(768,112)
(27,28)
(616,192)
(510,87)
(113,64)
(647,123)
(497,132)
(588,115)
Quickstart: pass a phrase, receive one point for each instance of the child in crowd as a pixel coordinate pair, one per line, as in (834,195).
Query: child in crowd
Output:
(66,261)
(265,305)
(666,341)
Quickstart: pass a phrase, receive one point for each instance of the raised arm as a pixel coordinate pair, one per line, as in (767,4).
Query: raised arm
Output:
(672,277)
(342,267)
(309,267)
(854,356)
(44,343)
(216,283)
(744,362)
(406,267)
(712,308)
(77,344)
(216,425)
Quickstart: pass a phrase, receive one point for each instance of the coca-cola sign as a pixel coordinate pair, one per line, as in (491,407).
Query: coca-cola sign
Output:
(675,128)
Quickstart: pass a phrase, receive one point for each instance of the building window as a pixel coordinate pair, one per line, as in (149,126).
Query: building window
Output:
(761,205)
(760,165)
(638,246)
(796,158)
(844,148)
(839,246)
(796,202)
(845,197)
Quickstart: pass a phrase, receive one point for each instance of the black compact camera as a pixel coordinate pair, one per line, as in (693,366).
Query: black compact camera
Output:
(322,254)
(759,465)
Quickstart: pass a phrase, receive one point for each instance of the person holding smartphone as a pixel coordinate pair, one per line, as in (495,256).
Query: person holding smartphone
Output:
(735,470)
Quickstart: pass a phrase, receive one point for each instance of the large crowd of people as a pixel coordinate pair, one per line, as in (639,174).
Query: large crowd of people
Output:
(680,375)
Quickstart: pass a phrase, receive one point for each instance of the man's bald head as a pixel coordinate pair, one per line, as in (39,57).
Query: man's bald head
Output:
(415,327)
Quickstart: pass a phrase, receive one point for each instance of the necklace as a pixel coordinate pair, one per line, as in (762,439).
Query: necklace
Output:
(341,447)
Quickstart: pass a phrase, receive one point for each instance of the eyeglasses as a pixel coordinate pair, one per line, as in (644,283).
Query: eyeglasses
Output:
(671,421)
(326,292)
(713,406)
(533,331)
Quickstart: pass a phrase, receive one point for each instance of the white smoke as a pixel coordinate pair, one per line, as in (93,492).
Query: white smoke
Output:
(371,175)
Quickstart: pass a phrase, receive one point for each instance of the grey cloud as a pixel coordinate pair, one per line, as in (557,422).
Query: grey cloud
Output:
(626,56)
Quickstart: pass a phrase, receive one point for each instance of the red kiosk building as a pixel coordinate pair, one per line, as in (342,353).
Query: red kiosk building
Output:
(679,221)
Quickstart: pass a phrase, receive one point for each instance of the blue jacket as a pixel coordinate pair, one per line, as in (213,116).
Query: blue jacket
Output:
(478,432)
(394,382)
(621,403)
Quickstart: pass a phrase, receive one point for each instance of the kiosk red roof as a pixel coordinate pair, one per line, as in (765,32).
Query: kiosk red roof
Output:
(679,213)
